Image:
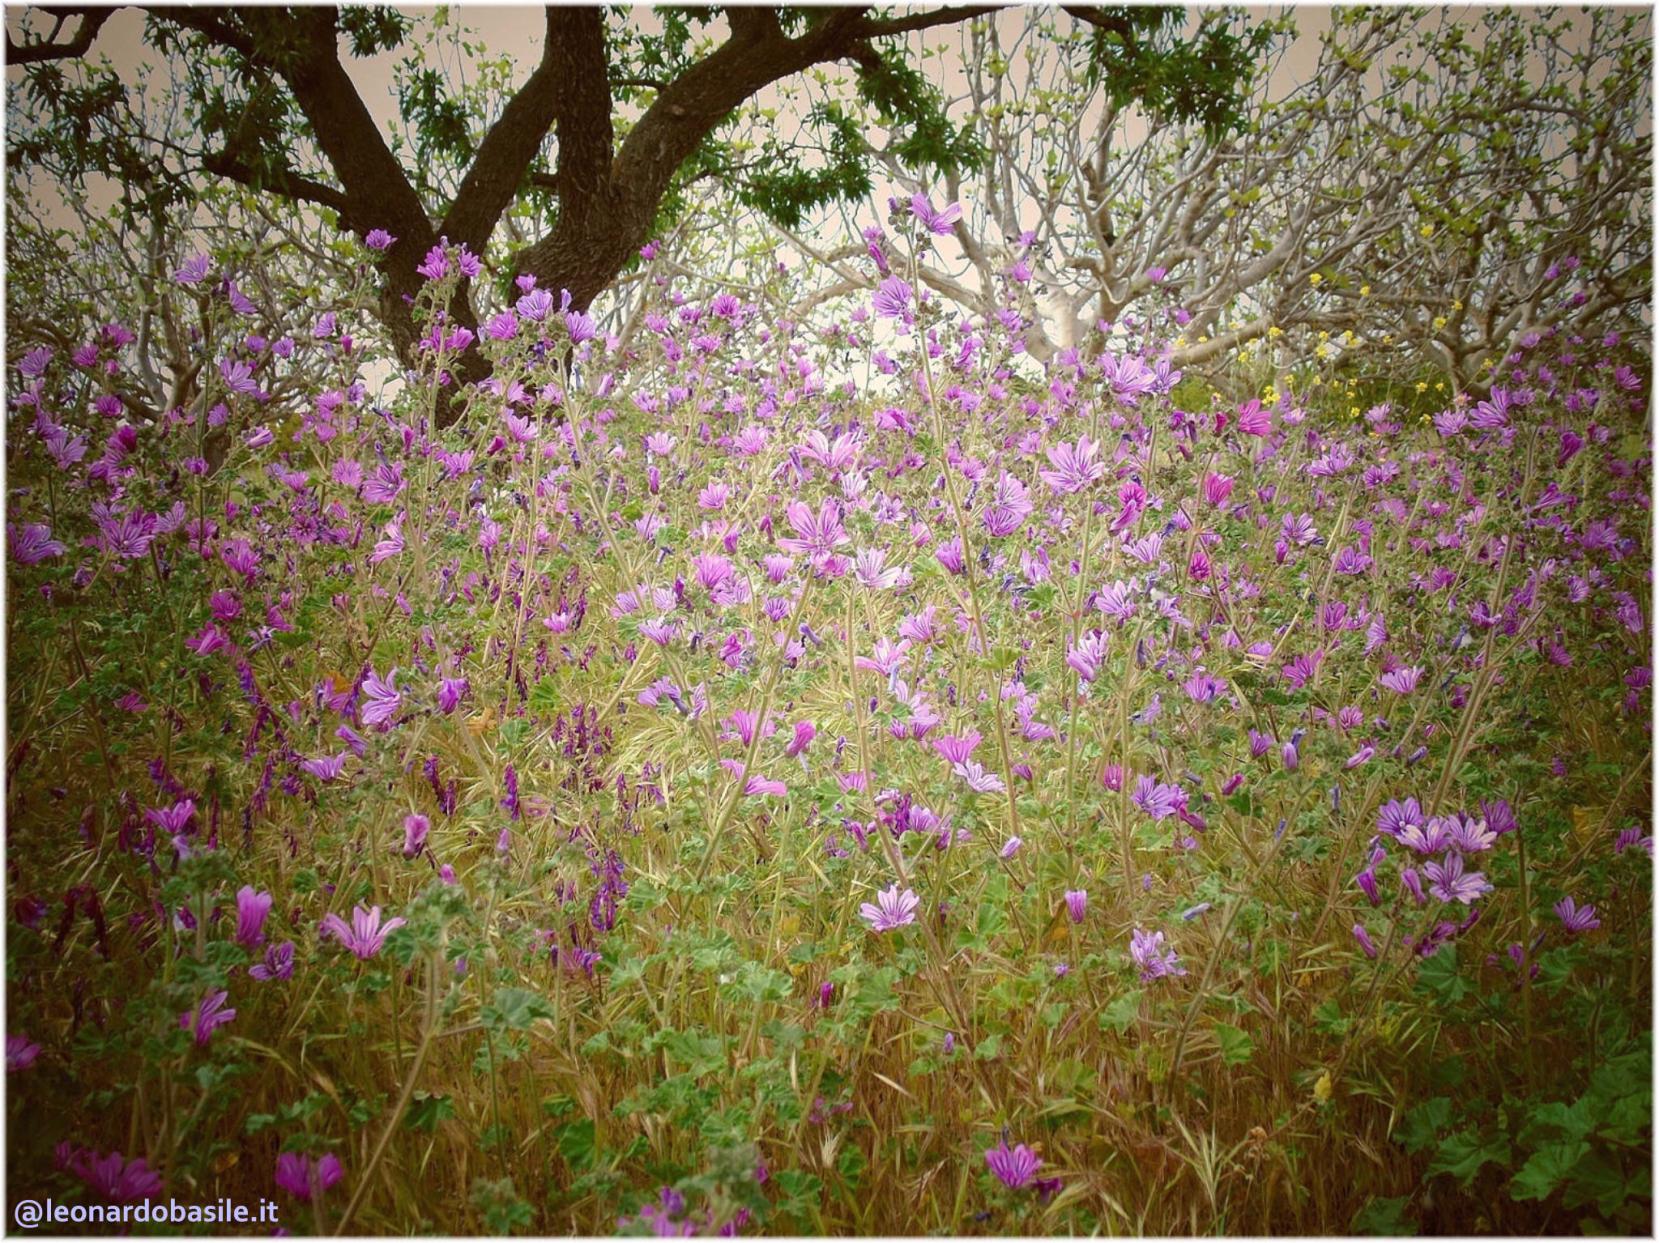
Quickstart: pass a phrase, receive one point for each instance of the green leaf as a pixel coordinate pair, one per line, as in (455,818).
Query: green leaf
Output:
(515,1009)
(426,1111)
(1462,1155)
(1422,1126)
(1384,1217)
(578,1144)
(1119,1014)
(1545,1169)
(1236,1045)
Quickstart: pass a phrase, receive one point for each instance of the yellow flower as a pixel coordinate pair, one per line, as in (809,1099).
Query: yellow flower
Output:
(1275,332)
(1315,279)
(1365,291)
(1439,321)
(1427,230)
(1422,386)
(1322,1087)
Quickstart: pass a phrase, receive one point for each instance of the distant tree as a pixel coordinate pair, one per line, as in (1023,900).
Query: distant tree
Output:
(633,118)
(1438,186)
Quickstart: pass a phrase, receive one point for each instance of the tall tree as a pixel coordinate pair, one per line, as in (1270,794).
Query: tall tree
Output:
(631,115)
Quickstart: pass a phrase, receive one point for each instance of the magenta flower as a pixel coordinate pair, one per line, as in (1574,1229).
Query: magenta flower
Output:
(1077,904)
(1450,883)
(326,767)
(817,535)
(892,300)
(251,910)
(1074,467)
(366,935)
(194,270)
(1154,798)
(415,827)
(32,543)
(1366,944)
(305,1179)
(278,964)
(379,239)
(805,732)
(1155,962)
(113,1179)
(174,819)
(383,700)
(871,570)
(956,749)
(450,693)
(382,487)
(939,223)
(208,1016)
(1015,1167)
(977,778)
(21,1052)
(1010,505)
(1088,655)
(1575,918)
(895,909)
(1402,681)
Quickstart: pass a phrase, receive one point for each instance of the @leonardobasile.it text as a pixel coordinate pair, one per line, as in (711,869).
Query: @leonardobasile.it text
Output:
(33,1214)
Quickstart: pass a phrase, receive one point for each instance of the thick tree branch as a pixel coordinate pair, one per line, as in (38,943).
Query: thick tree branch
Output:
(499,166)
(871,29)
(289,185)
(91,22)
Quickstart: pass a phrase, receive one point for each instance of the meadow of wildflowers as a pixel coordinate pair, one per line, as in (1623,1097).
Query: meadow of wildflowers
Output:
(765,781)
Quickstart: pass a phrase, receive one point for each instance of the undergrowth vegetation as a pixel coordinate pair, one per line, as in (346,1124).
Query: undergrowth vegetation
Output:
(759,782)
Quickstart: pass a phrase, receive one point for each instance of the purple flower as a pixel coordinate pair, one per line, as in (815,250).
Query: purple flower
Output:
(1450,883)
(805,732)
(1075,467)
(379,239)
(957,749)
(1077,904)
(1015,1167)
(1010,505)
(207,1016)
(450,693)
(383,486)
(21,1052)
(415,827)
(1147,949)
(305,1179)
(174,819)
(194,270)
(326,767)
(892,300)
(1154,798)
(1402,681)
(366,935)
(1575,918)
(1365,941)
(251,910)
(1367,881)
(384,699)
(113,1179)
(278,964)
(895,909)
(939,222)
(977,778)
(32,543)
(817,535)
